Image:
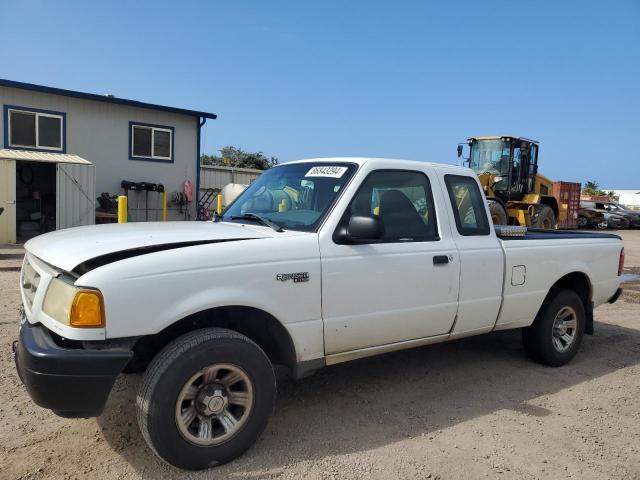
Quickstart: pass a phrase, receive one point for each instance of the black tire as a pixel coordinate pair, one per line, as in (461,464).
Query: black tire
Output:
(173,367)
(583,222)
(543,217)
(625,224)
(538,338)
(498,213)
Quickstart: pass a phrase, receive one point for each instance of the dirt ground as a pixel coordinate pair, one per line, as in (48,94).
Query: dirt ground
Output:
(474,408)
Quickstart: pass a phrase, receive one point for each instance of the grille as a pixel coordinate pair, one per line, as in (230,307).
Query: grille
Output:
(29,283)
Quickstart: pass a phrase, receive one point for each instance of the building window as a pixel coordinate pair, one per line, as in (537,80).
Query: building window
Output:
(34,129)
(151,142)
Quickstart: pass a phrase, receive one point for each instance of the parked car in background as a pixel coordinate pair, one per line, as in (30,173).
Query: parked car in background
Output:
(590,217)
(632,216)
(613,219)
(616,222)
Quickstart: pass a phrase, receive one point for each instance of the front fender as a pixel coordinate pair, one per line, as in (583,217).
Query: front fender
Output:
(145,294)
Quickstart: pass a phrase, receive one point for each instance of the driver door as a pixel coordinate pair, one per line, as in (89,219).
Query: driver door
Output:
(401,287)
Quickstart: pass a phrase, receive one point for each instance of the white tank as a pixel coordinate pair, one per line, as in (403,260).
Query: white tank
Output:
(231,191)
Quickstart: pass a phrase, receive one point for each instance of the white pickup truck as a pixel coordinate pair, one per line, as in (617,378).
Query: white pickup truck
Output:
(317,262)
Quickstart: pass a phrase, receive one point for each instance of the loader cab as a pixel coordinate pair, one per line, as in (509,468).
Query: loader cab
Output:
(507,166)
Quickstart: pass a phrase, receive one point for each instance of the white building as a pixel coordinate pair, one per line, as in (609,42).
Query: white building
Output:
(60,149)
(630,198)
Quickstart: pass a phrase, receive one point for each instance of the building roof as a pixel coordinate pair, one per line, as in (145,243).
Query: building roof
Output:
(33,156)
(102,98)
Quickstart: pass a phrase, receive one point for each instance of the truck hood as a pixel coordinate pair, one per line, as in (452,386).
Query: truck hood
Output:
(66,249)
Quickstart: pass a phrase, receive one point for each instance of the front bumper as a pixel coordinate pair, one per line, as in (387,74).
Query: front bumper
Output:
(73,382)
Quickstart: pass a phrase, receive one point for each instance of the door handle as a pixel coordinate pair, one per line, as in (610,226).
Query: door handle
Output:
(440,259)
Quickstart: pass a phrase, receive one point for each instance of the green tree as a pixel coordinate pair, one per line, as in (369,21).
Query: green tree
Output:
(612,195)
(236,157)
(593,188)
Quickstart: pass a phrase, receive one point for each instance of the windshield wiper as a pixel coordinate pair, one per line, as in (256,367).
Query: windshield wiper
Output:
(257,218)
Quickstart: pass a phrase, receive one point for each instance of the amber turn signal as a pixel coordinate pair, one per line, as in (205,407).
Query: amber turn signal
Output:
(87,310)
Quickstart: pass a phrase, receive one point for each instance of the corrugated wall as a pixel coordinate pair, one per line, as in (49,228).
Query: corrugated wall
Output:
(218,176)
(75,195)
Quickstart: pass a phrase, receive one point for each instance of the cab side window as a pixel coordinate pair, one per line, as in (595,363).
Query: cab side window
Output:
(402,200)
(468,205)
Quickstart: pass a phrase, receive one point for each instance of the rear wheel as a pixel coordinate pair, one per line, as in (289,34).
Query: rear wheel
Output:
(556,334)
(205,398)
(498,214)
(543,217)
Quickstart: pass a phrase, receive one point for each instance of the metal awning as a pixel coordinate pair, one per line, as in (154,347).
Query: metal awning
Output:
(35,156)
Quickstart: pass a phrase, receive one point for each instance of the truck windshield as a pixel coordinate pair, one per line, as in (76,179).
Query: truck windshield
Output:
(490,156)
(293,197)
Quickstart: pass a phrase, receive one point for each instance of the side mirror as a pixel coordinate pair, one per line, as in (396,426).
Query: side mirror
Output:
(459,151)
(365,229)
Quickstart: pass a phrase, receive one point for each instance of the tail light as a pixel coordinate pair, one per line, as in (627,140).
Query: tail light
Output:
(621,262)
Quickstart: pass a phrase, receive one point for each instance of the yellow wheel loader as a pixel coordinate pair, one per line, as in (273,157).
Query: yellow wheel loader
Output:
(508,170)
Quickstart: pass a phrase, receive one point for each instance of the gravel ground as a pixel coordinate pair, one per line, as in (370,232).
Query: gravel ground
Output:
(466,409)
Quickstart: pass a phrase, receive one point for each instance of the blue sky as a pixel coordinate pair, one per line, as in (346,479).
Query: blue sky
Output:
(397,79)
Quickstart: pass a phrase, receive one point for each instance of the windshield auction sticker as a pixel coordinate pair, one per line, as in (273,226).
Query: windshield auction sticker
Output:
(326,171)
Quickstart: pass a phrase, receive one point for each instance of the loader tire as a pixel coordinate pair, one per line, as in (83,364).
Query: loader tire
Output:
(498,213)
(543,217)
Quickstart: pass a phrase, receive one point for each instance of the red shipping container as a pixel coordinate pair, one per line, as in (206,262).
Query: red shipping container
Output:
(568,193)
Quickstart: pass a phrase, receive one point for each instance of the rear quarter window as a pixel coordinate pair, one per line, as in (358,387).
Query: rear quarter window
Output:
(468,205)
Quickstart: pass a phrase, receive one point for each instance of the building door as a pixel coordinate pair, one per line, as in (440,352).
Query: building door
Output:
(8,201)
(75,195)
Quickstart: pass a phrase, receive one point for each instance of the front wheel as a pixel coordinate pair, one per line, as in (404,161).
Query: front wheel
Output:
(205,398)
(498,214)
(555,336)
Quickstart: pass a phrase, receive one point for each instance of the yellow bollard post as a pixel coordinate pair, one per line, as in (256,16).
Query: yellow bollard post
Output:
(122,209)
(164,206)
(219,204)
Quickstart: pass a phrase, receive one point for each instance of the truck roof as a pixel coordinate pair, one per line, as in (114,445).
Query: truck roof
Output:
(377,162)
(498,137)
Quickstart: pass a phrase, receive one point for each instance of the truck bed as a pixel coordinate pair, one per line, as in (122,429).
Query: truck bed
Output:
(539,234)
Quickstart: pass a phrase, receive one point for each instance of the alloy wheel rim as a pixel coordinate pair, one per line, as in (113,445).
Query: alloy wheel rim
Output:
(214,404)
(565,326)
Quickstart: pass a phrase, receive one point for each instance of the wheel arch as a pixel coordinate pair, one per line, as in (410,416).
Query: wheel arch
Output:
(256,324)
(579,283)
(551,202)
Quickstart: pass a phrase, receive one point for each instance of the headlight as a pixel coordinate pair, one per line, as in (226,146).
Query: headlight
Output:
(76,307)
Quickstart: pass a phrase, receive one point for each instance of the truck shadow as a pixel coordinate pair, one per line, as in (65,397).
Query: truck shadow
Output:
(374,402)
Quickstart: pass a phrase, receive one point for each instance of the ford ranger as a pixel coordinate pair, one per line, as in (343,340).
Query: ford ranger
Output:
(317,262)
